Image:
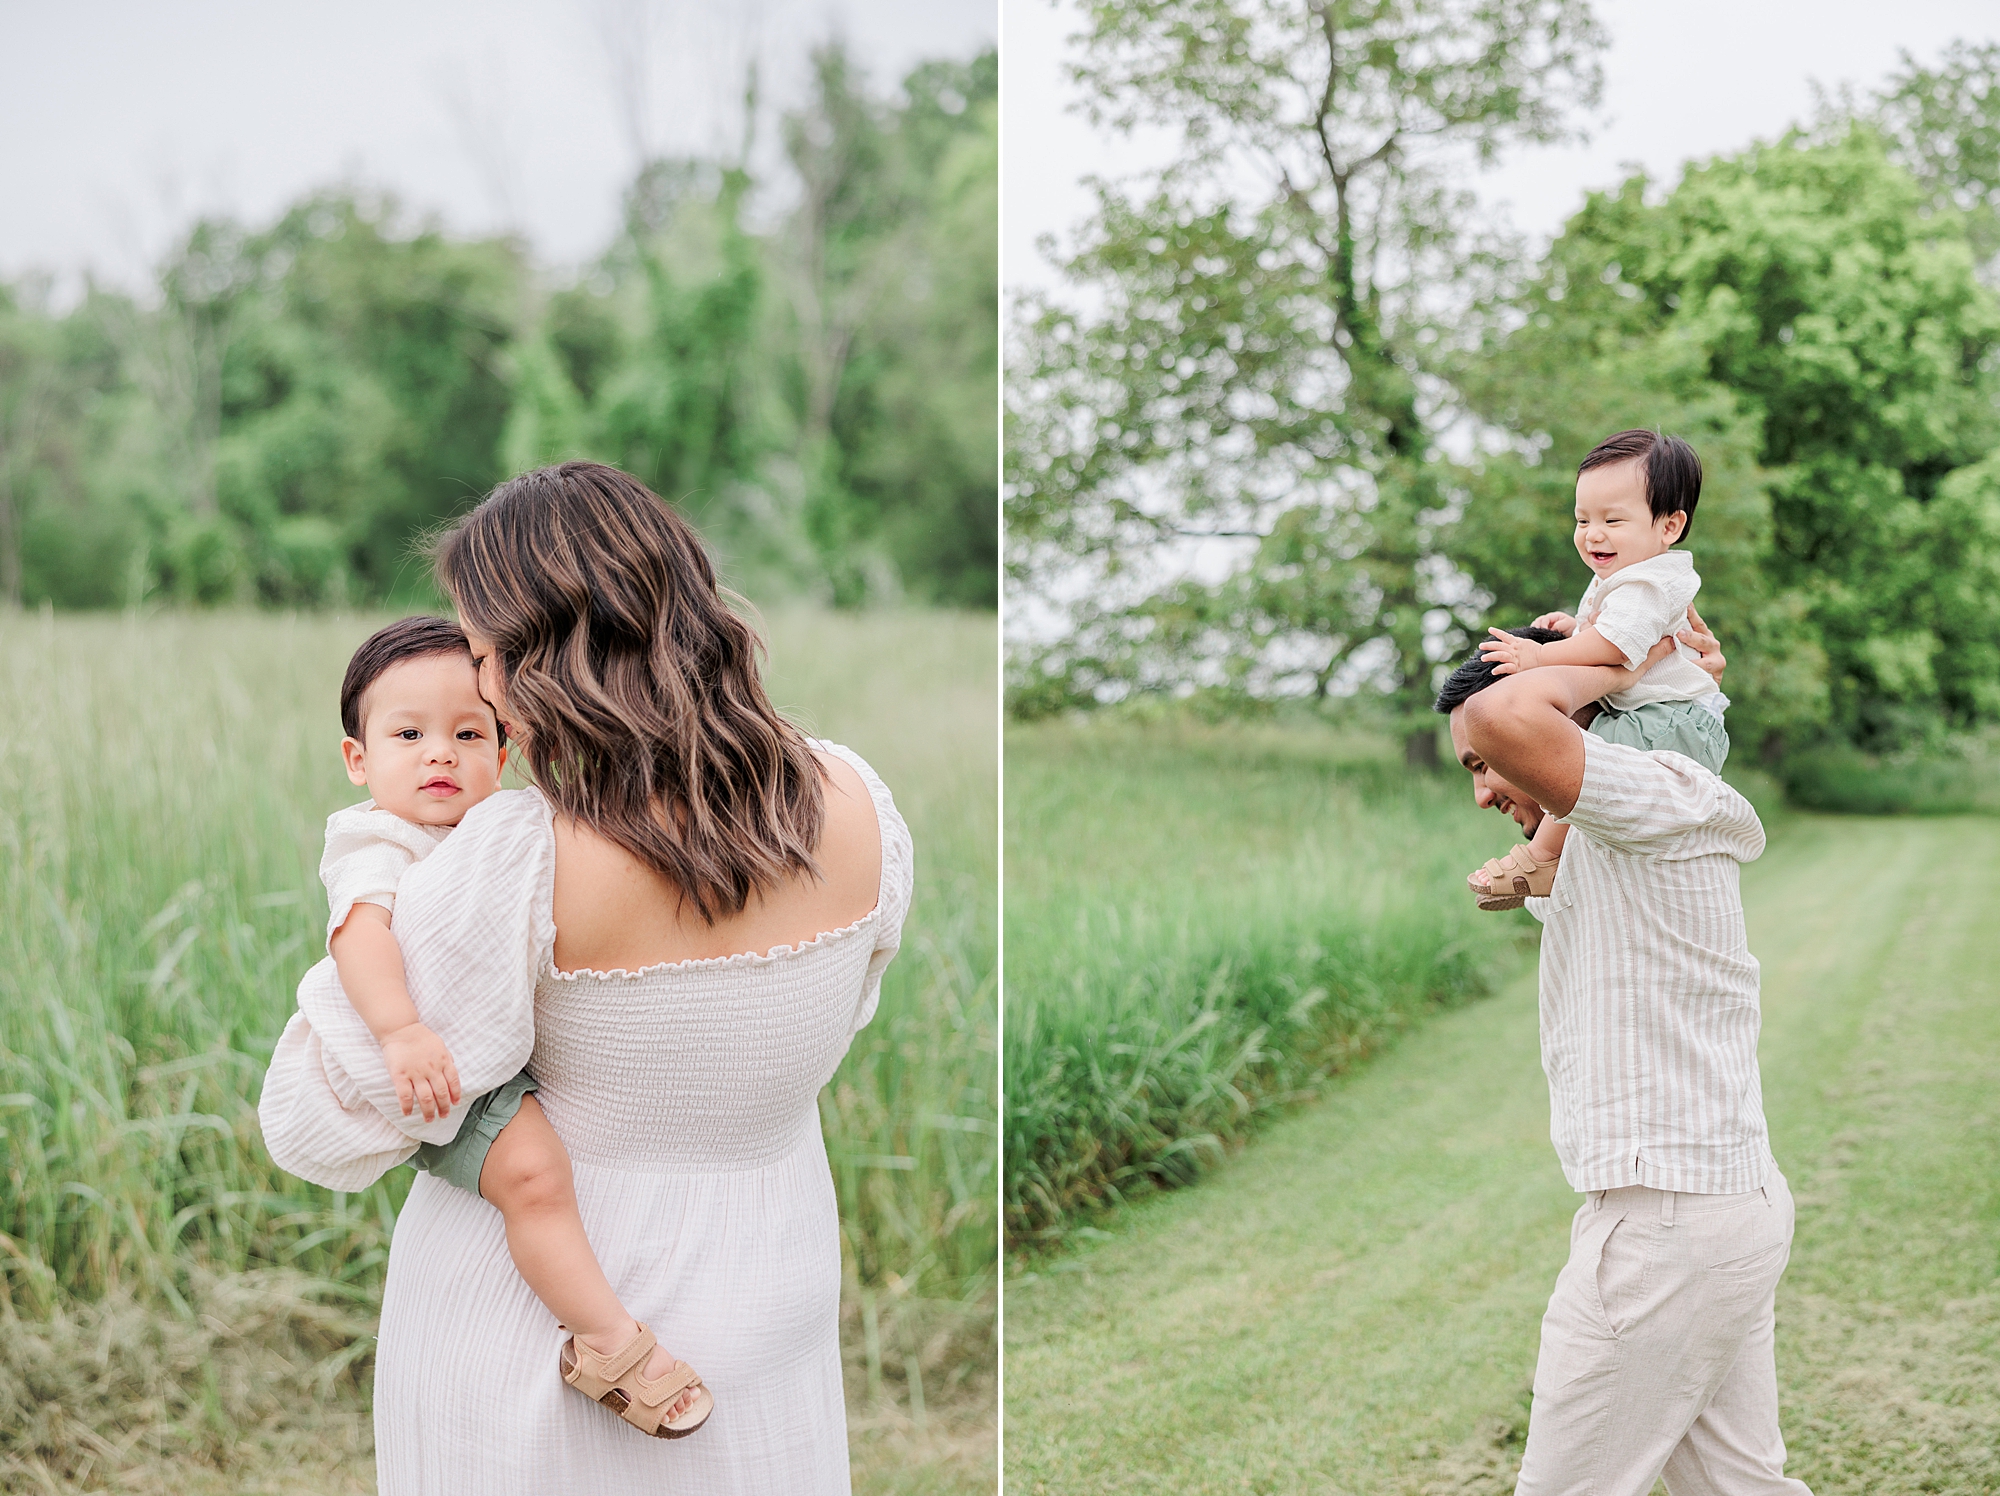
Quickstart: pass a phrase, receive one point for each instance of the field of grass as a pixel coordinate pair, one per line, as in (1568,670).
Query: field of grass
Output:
(205,1321)
(1351,1308)
(1201,922)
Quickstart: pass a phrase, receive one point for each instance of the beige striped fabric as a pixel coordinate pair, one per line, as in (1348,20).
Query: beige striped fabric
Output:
(1649,1010)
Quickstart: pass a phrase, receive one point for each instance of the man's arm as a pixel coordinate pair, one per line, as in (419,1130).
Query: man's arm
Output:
(1522,725)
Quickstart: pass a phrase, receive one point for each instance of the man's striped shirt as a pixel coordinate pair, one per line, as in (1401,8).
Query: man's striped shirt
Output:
(1649,991)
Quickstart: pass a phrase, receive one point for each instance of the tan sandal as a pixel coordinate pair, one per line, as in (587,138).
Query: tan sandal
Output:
(1514,879)
(616,1382)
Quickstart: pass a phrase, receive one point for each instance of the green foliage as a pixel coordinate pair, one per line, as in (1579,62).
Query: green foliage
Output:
(295,406)
(1158,1007)
(1825,343)
(1942,125)
(1839,777)
(1266,374)
(1261,317)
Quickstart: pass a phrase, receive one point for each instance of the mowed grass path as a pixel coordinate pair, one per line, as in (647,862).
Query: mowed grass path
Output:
(1352,1306)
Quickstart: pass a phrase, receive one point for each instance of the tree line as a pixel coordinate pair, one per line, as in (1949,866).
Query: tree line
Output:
(1313,422)
(297,404)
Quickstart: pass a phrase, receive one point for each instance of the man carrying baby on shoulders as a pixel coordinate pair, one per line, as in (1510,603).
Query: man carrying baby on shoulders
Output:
(1657,1348)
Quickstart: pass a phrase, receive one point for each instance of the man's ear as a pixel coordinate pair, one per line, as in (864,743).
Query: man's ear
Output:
(351,754)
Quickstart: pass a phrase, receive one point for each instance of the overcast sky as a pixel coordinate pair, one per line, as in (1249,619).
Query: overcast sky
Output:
(1683,79)
(120,119)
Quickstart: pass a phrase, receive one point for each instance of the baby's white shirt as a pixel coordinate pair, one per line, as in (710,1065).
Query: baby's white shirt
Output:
(1636,607)
(368,850)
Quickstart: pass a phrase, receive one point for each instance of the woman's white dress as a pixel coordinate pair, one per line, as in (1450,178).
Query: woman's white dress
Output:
(686,1095)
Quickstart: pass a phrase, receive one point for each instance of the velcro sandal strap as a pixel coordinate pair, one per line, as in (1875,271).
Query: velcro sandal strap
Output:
(668,1387)
(633,1353)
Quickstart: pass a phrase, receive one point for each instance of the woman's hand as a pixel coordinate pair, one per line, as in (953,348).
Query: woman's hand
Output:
(1562,623)
(1698,638)
(1509,654)
(422,1068)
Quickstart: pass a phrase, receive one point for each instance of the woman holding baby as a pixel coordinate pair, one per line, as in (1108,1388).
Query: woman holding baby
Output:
(681,928)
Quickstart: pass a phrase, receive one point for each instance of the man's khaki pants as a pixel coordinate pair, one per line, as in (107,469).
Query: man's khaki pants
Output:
(1657,1349)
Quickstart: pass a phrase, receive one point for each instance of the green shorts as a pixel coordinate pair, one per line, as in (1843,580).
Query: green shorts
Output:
(459,1161)
(1675,726)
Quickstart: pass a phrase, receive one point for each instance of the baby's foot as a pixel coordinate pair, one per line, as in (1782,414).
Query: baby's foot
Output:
(658,1364)
(1508,882)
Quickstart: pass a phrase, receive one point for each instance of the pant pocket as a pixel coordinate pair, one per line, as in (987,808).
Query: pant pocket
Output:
(1619,1281)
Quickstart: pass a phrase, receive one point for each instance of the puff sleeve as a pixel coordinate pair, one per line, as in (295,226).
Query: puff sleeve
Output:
(476,925)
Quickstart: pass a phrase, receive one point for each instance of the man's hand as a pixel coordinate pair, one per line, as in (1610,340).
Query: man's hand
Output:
(423,1071)
(1698,638)
(1562,623)
(1509,654)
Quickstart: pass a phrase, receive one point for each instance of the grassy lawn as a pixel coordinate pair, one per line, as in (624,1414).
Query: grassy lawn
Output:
(183,1317)
(1203,920)
(1352,1305)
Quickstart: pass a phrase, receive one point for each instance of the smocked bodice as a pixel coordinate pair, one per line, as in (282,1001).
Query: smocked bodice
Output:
(698,1067)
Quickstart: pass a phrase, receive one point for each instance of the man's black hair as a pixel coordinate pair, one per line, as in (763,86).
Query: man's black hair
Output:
(406,639)
(1476,674)
(1668,467)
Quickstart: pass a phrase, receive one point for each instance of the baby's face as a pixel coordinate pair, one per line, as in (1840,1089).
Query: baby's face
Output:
(1614,523)
(430,750)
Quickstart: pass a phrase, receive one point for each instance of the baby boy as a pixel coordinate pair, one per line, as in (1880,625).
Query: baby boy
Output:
(427,745)
(1635,500)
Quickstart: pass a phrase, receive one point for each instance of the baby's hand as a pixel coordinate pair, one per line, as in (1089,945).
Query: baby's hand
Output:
(1509,654)
(1562,623)
(423,1071)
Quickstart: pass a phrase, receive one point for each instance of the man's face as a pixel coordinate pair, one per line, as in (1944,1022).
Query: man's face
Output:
(1489,790)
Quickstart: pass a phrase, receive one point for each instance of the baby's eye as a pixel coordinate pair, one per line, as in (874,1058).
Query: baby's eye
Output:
(470,734)
(409,734)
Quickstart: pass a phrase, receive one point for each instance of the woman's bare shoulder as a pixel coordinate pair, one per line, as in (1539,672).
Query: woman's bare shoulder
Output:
(850,842)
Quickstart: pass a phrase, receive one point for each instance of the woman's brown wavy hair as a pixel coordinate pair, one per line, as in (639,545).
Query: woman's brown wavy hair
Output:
(632,685)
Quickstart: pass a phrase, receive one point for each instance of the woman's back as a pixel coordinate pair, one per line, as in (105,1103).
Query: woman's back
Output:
(683,1083)
(666,1044)
(614,913)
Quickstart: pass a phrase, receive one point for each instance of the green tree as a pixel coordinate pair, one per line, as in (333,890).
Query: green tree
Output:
(1810,319)
(892,264)
(1942,125)
(293,405)
(35,396)
(1249,359)
(686,410)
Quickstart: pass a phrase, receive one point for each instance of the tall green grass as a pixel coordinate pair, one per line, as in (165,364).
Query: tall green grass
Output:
(163,789)
(1845,780)
(1202,922)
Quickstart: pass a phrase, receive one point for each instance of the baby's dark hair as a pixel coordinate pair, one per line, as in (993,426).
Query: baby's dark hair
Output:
(406,639)
(1476,674)
(1672,471)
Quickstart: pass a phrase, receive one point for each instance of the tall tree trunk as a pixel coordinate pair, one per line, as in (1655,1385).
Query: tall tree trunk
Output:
(1420,747)
(10,541)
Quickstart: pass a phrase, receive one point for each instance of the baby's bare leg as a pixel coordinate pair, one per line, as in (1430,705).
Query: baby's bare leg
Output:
(526,1177)
(1547,842)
